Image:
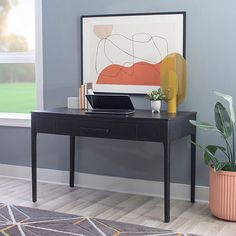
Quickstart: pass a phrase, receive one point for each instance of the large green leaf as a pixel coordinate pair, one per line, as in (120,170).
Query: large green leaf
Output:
(228,167)
(209,154)
(229,99)
(211,159)
(223,121)
(219,166)
(203,125)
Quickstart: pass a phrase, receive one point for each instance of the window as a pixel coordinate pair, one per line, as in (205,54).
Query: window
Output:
(20,56)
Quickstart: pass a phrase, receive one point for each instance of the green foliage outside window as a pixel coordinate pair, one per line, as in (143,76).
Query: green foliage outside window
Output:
(17,81)
(10,42)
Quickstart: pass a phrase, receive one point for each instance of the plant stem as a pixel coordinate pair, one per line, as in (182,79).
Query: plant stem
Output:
(229,151)
(226,154)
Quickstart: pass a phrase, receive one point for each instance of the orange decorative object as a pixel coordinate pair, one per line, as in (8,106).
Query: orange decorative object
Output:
(223,194)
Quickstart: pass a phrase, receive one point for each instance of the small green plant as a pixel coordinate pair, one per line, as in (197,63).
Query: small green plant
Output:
(224,126)
(156,95)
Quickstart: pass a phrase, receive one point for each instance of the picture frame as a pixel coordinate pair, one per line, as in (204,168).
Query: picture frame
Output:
(121,53)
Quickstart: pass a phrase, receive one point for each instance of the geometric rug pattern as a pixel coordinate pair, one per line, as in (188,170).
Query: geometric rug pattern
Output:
(25,221)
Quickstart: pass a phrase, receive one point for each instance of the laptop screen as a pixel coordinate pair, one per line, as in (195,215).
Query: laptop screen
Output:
(101,101)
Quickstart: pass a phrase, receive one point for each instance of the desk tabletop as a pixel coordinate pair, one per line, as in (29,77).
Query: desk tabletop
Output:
(139,114)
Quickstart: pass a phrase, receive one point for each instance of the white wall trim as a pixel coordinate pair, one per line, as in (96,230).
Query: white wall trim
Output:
(17,57)
(15,120)
(116,184)
(39,54)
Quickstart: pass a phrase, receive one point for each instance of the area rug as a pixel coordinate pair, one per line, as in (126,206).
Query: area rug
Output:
(24,221)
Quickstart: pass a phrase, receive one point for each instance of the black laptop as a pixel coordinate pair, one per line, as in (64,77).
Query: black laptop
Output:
(110,104)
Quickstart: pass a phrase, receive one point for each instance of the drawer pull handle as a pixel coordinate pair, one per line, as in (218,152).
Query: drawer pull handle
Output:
(94,130)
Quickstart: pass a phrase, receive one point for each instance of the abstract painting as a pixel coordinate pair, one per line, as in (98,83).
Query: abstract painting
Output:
(125,53)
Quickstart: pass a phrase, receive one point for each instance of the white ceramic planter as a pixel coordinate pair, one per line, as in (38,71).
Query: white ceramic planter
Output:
(156,106)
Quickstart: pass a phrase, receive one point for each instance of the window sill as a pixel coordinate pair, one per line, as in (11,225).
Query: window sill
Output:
(15,120)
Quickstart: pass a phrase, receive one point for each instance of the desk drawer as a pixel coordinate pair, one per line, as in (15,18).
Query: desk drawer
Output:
(152,132)
(44,124)
(102,129)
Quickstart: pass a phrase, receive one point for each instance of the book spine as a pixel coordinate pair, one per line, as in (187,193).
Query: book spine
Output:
(82,95)
(85,99)
(80,98)
(89,87)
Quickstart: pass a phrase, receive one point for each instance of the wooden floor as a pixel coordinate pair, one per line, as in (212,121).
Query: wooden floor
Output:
(185,217)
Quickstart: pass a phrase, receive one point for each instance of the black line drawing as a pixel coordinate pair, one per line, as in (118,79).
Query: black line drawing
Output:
(132,55)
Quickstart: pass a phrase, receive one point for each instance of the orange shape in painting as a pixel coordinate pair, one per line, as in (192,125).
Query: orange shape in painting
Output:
(141,73)
(102,31)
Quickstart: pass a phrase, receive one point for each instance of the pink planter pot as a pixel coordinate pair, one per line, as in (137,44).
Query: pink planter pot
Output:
(223,194)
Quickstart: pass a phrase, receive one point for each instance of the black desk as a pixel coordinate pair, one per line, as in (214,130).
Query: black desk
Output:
(142,126)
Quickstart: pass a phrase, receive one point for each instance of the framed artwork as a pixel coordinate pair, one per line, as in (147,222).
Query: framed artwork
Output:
(123,53)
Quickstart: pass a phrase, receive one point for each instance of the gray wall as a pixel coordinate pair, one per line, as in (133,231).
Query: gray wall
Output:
(211,56)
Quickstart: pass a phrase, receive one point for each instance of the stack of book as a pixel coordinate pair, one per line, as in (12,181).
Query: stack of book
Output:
(83,90)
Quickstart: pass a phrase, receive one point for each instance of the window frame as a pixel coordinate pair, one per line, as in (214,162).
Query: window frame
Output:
(23,119)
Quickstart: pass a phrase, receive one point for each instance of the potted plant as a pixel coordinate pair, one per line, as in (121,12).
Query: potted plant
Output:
(221,161)
(156,96)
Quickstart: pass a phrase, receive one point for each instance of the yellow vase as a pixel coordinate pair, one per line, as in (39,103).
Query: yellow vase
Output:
(173,80)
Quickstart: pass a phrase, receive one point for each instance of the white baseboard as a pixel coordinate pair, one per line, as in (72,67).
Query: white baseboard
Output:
(116,184)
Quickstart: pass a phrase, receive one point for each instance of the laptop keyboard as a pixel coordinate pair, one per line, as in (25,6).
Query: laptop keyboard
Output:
(110,111)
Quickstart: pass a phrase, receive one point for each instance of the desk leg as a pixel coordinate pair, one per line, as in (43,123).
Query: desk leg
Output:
(72,161)
(167,180)
(193,166)
(34,165)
